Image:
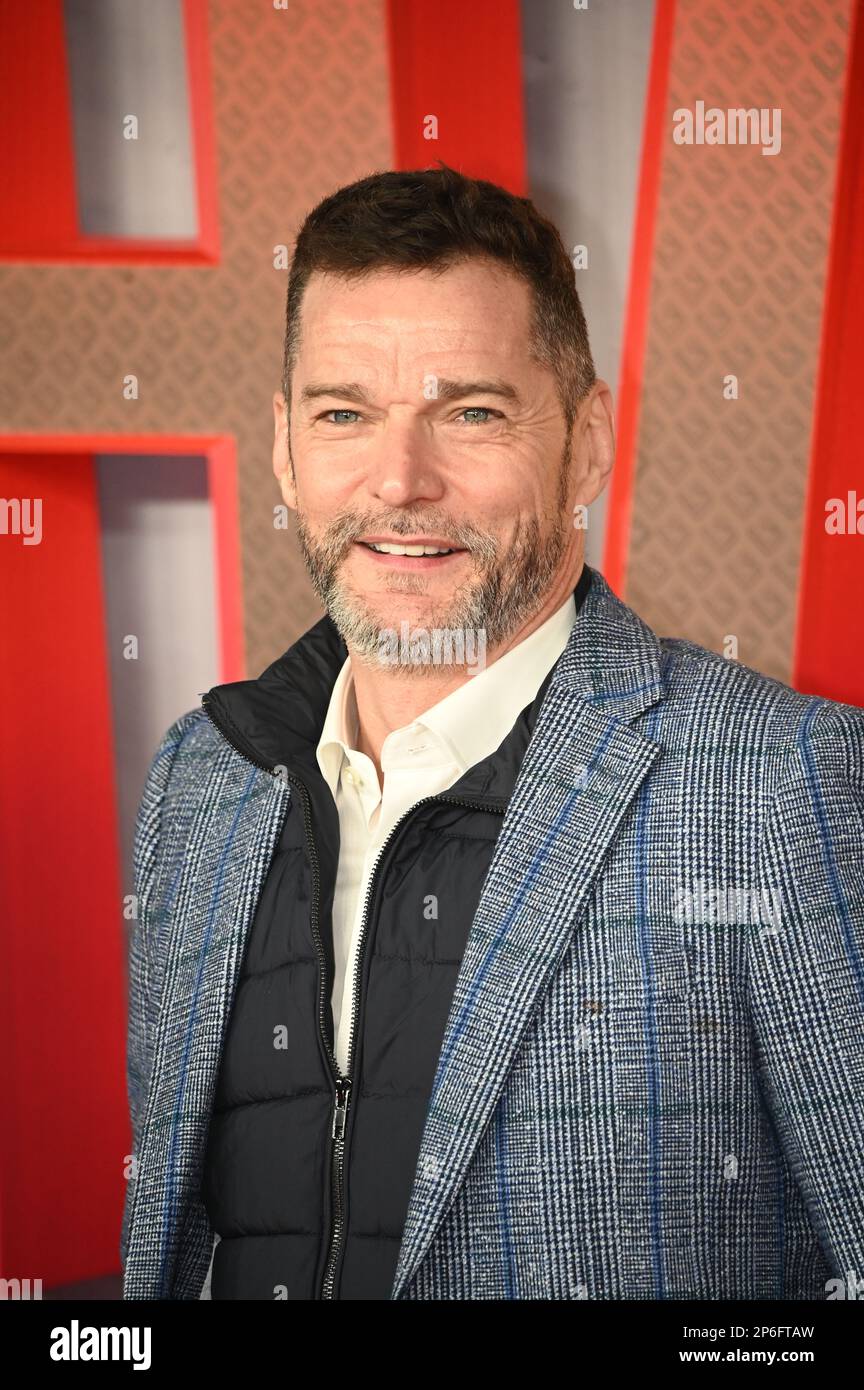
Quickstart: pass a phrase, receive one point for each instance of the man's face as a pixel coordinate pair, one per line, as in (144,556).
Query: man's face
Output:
(418,419)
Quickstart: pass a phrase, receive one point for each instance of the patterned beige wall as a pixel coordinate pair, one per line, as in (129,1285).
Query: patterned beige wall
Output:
(737,287)
(301,106)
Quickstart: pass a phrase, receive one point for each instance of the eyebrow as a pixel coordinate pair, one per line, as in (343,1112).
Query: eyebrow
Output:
(448,390)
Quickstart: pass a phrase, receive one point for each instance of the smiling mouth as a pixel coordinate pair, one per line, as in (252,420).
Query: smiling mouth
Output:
(414,551)
(411,552)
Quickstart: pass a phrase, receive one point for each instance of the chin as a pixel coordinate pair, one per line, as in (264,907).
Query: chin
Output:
(405,589)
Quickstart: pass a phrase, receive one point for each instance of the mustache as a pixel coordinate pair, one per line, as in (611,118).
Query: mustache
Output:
(348,527)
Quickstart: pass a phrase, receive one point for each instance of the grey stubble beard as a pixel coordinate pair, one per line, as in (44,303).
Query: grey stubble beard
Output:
(502,593)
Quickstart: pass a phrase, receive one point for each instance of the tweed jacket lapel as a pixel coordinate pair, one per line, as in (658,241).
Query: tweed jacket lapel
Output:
(582,770)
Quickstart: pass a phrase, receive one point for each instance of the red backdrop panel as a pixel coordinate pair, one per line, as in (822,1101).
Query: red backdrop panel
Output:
(462,64)
(654,141)
(65,1126)
(38,195)
(829,654)
(38,206)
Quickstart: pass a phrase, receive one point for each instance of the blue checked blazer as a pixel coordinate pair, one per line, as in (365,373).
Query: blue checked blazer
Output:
(651,1083)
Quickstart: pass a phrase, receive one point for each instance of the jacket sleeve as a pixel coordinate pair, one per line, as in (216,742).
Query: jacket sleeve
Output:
(806,978)
(142,997)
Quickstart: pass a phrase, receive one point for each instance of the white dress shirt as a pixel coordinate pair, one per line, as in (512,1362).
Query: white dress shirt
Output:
(421,759)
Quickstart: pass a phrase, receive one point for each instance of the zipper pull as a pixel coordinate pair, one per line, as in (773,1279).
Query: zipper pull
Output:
(343,1087)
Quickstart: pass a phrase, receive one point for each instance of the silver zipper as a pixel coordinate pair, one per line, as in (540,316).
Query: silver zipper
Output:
(340,1112)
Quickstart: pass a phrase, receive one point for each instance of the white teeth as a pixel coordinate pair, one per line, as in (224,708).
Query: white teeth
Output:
(386,548)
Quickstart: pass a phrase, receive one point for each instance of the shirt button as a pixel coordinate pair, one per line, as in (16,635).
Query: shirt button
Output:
(352,778)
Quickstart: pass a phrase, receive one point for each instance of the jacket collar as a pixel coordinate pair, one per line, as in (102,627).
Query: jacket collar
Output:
(276,720)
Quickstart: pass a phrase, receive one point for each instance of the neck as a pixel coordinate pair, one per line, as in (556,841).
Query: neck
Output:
(386,701)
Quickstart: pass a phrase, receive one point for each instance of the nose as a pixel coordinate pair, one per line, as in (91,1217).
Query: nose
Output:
(402,468)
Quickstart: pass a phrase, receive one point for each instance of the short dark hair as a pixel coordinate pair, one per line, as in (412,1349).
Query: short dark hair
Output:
(432,219)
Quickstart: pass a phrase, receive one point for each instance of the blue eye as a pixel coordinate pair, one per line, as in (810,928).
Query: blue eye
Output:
(338,412)
(469,410)
(478,409)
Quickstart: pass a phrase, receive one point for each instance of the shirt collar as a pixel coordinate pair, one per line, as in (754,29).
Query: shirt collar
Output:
(473,719)
(340,733)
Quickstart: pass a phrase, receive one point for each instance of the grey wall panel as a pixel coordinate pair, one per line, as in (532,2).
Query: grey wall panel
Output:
(129,58)
(159,576)
(585,80)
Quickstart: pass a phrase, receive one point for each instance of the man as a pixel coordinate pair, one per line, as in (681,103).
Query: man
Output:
(489,946)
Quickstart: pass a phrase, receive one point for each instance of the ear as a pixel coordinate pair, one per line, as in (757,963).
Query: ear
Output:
(281,453)
(594,443)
